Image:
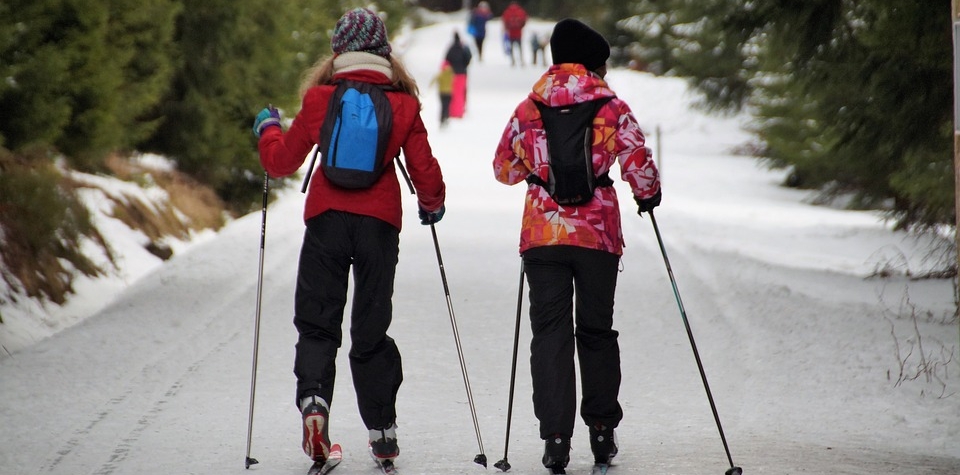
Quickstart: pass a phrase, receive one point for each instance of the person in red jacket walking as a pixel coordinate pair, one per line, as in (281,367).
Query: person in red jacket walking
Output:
(514,18)
(571,252)
(356,228)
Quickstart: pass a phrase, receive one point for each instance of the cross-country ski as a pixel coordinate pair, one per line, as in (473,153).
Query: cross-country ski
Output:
(386,466)
(333,459)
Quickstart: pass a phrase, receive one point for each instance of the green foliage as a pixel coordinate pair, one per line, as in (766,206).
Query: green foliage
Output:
(33,62)
(854,97)
(78,73)
(83,79)
(237,56)
(142,39)
(232,53)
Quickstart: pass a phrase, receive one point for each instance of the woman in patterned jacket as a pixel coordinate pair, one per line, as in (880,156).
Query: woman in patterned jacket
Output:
(575,249)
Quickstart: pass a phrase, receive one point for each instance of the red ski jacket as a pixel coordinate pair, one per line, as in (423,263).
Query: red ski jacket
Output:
(282,154)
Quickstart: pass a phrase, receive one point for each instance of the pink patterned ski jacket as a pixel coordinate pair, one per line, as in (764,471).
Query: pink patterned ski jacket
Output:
(617,136)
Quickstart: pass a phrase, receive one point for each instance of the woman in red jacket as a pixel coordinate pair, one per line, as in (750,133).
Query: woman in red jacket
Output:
(352,227)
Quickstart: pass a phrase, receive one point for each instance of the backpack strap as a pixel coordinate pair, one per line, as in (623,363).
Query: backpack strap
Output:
(340,85)
(603,180)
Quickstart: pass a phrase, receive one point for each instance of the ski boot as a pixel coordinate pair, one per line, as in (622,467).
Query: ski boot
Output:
(556,453)
(603,444)
(316,436)
(383,443)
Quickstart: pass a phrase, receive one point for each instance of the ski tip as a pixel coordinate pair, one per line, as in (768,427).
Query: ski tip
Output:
(599,469)
(388,467)
(557,470)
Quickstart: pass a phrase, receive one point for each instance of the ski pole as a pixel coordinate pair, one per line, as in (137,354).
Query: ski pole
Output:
(481,458)
(734,470)
(313,162)
(256,326)
(504,465)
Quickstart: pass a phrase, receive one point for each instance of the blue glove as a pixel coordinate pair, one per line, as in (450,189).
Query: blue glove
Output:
(427,217)
(646,205)
(268,117)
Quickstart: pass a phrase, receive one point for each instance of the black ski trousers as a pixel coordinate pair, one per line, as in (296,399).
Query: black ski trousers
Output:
(571,307)
(334,242)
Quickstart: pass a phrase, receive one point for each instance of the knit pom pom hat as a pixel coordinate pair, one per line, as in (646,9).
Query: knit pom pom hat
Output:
(574,42)
(360,30)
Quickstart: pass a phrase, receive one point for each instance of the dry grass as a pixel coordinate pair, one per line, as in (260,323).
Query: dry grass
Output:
(39,271)
(191,205)
(201,207)
(41,225)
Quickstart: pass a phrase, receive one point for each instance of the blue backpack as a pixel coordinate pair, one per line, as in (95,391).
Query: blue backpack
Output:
(354,135)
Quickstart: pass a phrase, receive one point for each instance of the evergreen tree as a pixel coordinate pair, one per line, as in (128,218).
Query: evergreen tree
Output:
(143,40)
(78,73)
(35,65)
(237,56)
(854,97)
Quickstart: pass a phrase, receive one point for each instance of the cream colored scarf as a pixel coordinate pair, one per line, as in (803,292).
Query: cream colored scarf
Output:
(358,60)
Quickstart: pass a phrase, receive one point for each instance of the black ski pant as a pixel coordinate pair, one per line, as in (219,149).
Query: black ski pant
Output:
(479,41)
(571,307)
(333,242)
(445,99)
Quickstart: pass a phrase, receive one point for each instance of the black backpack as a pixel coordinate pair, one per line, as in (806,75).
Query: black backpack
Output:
(354,135)
(569,131)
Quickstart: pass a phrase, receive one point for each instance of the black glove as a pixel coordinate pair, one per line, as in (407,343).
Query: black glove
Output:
(646,205)
(427,217)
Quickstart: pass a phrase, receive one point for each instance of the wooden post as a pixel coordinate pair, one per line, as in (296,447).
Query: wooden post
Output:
(659,149)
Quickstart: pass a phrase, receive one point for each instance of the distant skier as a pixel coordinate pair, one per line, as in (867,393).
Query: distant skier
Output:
(514,18)
(459,56)
(538,48)
(571,253)
(477,25)
(444,82)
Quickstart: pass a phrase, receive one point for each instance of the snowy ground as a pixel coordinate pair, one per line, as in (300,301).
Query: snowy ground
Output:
(800,348)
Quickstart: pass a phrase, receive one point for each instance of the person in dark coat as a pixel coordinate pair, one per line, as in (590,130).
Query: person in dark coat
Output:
(459,56)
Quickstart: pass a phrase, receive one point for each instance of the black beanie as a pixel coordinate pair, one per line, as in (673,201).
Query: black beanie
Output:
(574,42)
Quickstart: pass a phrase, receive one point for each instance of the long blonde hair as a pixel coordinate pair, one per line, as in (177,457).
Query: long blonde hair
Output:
(322,73)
